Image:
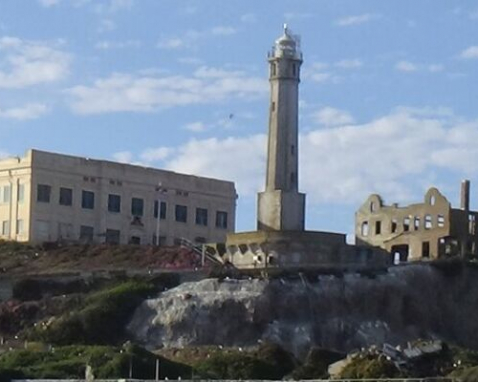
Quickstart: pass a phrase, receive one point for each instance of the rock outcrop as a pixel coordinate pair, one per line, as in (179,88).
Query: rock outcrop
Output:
(342,313)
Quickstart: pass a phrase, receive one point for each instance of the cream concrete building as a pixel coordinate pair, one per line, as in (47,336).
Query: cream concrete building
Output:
(47,197)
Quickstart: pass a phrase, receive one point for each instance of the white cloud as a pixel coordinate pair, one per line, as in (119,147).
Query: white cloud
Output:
(349,64)
(191,38)
(195,127)
(207,153)
(329,116)
(156,154)
(124,92)
(406,66)
(391,155)
(434,68)
(123,156)
(356,19)
(223,31)
(108,45)
(26,112)
(106,25)
(49,3)
(4,154)
(471,52)
(25,63)
(249,18)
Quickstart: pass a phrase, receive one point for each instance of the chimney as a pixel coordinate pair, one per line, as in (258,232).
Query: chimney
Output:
(465,195)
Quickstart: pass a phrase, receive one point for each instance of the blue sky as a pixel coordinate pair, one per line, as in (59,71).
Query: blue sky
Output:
(388,96)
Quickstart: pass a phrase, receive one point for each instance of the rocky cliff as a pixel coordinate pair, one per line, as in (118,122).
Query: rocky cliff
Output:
(336,312)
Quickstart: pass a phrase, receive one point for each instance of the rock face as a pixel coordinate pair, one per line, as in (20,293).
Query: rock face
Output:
(342,313)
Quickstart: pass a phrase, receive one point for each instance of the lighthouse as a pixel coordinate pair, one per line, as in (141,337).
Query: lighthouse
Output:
(281,207)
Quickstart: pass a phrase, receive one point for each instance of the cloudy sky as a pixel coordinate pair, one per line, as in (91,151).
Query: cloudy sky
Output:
(388,103)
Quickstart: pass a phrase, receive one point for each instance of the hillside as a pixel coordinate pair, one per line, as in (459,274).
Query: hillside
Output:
(23,259)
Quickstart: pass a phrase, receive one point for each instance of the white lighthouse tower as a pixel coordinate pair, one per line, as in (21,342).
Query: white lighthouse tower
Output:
(281,207)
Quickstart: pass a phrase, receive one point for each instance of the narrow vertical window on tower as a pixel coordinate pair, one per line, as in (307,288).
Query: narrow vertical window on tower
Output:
(273,69)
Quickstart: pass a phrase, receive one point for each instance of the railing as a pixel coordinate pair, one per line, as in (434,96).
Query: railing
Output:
(201,251)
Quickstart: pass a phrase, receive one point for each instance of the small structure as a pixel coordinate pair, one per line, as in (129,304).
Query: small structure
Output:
(428,230)
(280,240)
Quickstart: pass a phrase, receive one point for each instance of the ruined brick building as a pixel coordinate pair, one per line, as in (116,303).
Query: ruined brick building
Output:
(428,230)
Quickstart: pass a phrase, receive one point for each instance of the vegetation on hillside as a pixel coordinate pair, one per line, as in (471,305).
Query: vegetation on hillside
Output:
(107,362)
(100,319)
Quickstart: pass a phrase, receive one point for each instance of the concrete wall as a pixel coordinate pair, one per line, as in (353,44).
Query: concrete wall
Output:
(52,221)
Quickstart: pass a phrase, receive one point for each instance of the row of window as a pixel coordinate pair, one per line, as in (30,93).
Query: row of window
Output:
(6,227)
(6,193)
(137,206)
(406,224)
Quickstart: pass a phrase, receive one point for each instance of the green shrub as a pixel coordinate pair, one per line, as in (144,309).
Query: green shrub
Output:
(316,364)
(268,362)
(101,320)
(70,362)
(370,366)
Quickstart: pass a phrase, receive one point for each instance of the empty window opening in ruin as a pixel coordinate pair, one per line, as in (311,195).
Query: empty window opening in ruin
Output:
(406,224)
(441,221)
(416,222)
(471,224)
(394,225)
(378,227)
(433,200)
(428,222)
(400,253)
(426,249)
(364,229)
(373,207)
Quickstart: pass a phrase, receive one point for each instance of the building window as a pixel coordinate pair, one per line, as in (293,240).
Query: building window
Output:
(378,227)
(135,240)
(21,193)
(181,213)
(364,229)
(273,106)
(416,222)
(201,216)
(87,200)
(426,249)
(292,150)
(162,240)
(394,225)
(137,207)
(273,69)
(162,212)
(20,227)
(66,196)
(406,224)
(200,240)
(5,194)
(43,193)
(86,233)
(114,203)
(372,207)
(441,221)
(471,224)
(428,222)
(112,236)
(221,219)
(6,228)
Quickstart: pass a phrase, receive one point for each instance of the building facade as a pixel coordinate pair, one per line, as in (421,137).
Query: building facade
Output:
(47,197)
(428,230)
